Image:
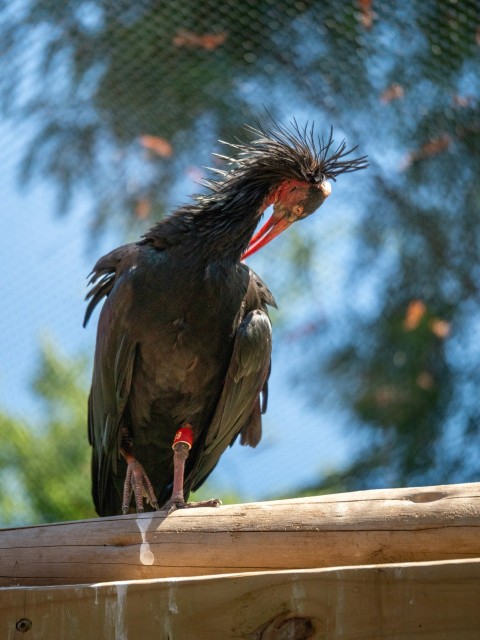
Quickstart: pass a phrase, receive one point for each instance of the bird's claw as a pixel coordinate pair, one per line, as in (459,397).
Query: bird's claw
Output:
(179,503)
(138,483)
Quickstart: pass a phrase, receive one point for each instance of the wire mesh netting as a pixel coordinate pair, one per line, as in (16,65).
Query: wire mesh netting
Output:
(111,111)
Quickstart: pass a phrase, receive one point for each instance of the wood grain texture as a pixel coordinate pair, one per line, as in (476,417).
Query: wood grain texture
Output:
(359,528)
(424,601)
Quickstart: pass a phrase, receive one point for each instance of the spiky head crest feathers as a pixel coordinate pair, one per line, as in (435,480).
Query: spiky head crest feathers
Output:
(281,152)
(223,220)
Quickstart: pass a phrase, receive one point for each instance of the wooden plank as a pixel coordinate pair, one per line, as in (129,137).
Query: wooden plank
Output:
(425,601)
(369,527)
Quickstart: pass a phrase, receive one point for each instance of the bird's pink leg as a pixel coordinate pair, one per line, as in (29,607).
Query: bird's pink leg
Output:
(136,480)
(182,444)
(180,455)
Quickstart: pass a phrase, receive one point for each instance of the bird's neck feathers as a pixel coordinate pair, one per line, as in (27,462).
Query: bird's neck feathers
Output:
(219,225)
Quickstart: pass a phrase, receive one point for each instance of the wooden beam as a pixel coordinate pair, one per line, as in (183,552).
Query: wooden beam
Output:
(424,601)
(369,527)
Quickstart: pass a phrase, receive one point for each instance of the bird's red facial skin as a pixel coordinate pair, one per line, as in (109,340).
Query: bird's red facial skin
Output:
(284,189)
(292,200)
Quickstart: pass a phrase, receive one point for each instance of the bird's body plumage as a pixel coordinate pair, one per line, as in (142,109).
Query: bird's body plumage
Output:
(184,335)
(166,337)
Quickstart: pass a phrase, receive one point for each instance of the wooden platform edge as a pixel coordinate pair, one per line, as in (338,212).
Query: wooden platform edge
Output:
(403,601)
(423,524)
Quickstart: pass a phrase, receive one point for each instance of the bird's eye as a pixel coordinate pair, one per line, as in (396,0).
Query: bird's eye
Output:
(297,210)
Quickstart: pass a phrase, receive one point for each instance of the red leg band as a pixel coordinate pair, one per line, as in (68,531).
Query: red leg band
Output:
(185,434)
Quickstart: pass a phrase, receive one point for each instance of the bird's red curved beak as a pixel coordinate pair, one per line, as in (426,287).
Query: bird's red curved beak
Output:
(285,212)
(270,230)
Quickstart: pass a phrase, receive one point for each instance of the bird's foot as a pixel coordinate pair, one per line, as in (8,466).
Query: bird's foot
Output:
(138,483)
(177,502)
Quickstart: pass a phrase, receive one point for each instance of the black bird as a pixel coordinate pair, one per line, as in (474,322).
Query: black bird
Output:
(183,346)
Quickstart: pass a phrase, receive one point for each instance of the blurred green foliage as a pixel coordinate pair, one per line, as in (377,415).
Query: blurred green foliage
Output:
(45,468)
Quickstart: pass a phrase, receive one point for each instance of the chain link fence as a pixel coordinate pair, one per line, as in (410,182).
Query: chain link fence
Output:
(111,111)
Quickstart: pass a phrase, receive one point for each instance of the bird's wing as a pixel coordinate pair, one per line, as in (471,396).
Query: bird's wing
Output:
(238,410)
(104,275)
(112,373)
